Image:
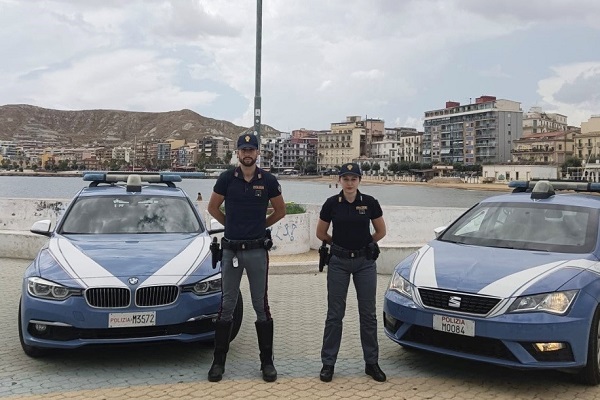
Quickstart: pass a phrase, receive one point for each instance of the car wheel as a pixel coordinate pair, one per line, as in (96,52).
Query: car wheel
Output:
(31,351)
(238,314)
(590,374)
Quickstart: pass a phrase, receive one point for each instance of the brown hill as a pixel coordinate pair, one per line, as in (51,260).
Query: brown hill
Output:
(21,122)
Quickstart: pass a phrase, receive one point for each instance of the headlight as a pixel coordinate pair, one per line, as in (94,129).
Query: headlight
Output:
(555,303)
(401,285)
(45,289)
(206,286)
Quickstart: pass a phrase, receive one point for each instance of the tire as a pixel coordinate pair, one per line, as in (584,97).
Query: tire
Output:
(590,374)
(238,314)
(31,351)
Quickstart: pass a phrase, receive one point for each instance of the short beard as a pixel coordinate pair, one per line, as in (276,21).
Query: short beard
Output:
(246,163)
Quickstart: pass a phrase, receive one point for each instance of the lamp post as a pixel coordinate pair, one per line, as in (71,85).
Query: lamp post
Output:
(257,100)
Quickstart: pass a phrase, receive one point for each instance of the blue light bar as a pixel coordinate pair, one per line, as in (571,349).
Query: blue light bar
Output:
(578,186)
(94,176)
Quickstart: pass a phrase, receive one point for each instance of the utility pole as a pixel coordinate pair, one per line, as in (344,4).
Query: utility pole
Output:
(257,100)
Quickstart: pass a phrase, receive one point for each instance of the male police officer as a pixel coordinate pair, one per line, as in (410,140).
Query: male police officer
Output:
(246,191)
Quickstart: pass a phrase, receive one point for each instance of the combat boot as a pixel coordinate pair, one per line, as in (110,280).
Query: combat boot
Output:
(264,331)
(222,335)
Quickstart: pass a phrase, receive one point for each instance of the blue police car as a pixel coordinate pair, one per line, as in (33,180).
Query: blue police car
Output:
(128,262)
(514,281)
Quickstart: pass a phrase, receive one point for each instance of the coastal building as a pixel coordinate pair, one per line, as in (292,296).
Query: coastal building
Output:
(510,172)
(587,144)
(289,151)
(475,133)
(538,121)
(215,147)
(549,148)
(347,141)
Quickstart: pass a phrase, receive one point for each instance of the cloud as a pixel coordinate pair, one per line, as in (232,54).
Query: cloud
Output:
(573,90)
(494,72)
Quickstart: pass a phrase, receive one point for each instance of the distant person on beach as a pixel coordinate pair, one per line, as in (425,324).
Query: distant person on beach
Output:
(354,250)
(246,191)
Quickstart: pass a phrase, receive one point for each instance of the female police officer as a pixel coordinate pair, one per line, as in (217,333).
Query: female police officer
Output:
(246,192)
(353,252)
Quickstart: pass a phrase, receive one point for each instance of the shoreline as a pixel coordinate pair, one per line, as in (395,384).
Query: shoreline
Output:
(495,187)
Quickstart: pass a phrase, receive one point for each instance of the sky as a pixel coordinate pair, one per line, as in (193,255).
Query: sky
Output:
(321,60)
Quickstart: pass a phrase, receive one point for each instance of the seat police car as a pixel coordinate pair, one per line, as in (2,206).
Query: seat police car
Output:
(514,281)
(128,262)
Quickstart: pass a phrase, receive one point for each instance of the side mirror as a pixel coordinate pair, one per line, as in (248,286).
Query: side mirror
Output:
(215,227)
(42,227)
(439,230)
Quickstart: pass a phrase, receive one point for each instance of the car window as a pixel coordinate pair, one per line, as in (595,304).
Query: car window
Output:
(130,214)
(527,226)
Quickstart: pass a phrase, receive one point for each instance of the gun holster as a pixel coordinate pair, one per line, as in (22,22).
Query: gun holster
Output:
(324,256)
(216,252)
(372,251)
(268,240)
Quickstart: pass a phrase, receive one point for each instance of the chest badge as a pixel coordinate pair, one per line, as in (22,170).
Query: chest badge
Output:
(362,210)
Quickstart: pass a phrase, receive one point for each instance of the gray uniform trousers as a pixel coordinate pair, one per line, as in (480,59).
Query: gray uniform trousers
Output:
(364,275)
(255,263)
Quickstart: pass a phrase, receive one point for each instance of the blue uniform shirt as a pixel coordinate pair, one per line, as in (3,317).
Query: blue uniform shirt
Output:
(351,221)
(246,202)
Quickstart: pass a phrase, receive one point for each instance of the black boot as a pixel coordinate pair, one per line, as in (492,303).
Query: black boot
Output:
(264,331)
(222,334)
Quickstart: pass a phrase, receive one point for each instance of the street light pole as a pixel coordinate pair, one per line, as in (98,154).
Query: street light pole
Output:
(257,100)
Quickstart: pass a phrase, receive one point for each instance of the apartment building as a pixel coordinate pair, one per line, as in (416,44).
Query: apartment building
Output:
(538,121)
(214,147)
(480,132)
(547,147)
(347,141)
(284,151)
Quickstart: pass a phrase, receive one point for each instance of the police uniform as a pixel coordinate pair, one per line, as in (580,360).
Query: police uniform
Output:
(351,234)
(245,207)
(244,247)
(351,255)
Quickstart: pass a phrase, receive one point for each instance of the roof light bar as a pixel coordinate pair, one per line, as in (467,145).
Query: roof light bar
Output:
(114,177)
(578,186)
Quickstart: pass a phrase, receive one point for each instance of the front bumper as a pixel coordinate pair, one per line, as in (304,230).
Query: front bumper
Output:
(73,323)
(503,340)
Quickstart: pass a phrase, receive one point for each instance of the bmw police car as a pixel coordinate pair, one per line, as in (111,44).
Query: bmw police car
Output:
(514,281)
(126,263)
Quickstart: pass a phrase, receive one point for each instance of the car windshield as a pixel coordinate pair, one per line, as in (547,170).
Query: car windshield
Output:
(527,226)
(130,214)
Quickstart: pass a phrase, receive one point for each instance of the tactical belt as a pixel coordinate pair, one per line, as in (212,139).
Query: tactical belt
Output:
(345,253)
(237,245)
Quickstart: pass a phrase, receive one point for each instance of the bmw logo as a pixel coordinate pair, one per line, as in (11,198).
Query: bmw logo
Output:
(133,280)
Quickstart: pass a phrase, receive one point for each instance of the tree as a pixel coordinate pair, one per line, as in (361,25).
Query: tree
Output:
(366,167)
(311,167)
(299,164)
(376,167)
(227,157)
(393,167)
(571,162)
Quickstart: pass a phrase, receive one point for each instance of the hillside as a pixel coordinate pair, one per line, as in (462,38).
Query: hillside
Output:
(21,122)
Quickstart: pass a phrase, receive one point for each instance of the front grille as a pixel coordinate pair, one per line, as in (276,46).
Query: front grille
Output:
(121,297)
(463,344)
(156,296)
(108,297)
(480,305)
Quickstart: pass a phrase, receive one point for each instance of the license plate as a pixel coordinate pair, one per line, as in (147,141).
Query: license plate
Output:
(126,320)
(458,326)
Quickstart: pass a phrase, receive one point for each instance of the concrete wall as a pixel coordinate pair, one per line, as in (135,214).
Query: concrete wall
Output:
(408,228)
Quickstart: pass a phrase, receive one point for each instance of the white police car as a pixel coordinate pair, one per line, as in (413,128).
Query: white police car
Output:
(514,281)
(126,263)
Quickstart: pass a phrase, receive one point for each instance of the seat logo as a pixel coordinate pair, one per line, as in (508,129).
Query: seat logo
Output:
(454,302)
(133,281)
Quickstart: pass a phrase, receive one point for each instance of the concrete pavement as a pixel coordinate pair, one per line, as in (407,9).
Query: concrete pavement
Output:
(178,371)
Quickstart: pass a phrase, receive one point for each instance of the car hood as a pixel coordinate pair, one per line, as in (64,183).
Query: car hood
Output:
(110,260)
(494,271)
